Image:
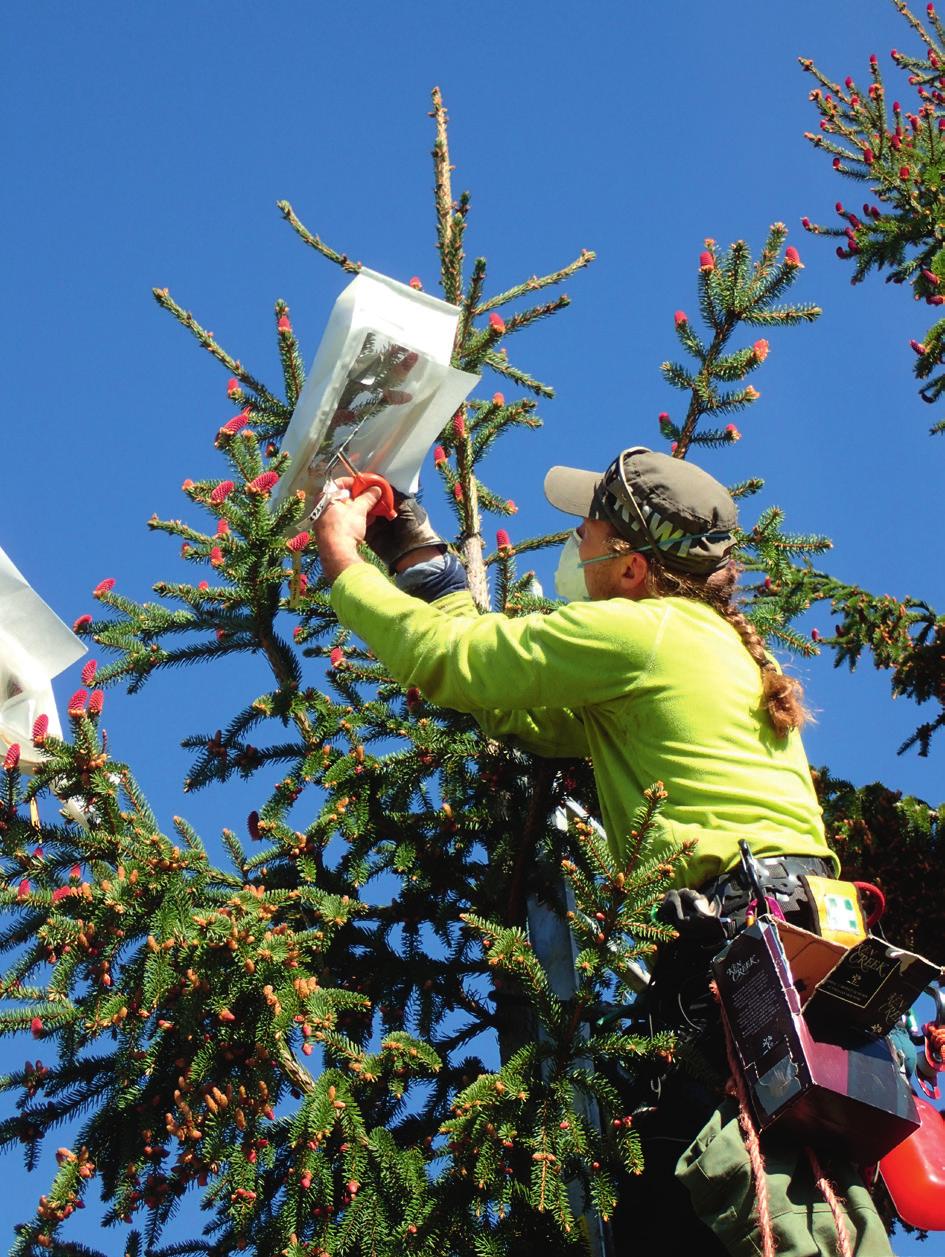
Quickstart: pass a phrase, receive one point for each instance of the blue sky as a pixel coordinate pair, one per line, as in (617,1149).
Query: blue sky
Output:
(146,145)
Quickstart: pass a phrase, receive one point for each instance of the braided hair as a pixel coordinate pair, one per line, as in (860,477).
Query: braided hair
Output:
(783,696)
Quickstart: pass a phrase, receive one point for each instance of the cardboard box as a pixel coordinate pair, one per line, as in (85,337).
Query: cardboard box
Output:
(808,1016)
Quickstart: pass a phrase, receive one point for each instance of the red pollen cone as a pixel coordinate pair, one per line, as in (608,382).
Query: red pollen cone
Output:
(262,484)
(77,702)
(222,491)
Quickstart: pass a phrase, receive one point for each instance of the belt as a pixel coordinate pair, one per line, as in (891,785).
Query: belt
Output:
(782,879)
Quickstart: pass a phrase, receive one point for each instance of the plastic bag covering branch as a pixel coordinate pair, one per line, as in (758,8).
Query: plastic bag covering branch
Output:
(35,646)
(380,389)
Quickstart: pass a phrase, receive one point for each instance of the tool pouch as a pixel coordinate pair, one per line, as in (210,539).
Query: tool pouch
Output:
(835,909)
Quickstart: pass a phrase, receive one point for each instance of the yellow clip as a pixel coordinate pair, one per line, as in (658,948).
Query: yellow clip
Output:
(34,814)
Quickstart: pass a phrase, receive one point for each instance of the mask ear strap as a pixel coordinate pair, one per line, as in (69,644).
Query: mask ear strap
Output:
(600,558)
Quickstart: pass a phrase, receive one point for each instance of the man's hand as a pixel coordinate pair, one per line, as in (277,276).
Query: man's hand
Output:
(341,528)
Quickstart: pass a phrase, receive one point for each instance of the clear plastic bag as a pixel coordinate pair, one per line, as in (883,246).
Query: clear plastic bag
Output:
(35,646)
(379,391)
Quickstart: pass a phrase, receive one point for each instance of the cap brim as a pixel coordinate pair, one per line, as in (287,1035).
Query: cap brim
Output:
(571,490)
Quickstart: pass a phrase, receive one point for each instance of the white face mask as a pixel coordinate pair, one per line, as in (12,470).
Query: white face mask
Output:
(569,577)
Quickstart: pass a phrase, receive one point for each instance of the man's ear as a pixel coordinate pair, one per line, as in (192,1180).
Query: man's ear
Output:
(633,575)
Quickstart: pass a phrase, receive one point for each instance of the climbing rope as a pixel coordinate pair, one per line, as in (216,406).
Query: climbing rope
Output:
(750,1135)
(756,1157)
(825,1187)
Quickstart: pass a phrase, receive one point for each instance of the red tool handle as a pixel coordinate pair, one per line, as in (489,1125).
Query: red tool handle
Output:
(385,504)
(878,906)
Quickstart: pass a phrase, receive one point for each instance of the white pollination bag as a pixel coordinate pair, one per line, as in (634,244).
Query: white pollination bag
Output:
(35,646)
(379,390)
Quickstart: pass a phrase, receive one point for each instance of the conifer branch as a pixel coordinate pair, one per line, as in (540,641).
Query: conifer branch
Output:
(186,319)
(499,363)
(449,224)
(732,290)
(340,259)
(536,283)
(900,157)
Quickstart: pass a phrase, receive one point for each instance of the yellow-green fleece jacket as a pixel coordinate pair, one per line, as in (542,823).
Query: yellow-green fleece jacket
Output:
(661,689)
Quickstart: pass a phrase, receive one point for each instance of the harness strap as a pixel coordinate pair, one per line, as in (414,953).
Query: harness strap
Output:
(782,879)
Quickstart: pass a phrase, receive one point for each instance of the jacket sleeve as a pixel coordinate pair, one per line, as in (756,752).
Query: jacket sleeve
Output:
(582,654)
(555,732)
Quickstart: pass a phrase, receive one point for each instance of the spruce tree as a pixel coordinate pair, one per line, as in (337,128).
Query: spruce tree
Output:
(889,139)
(293,1031)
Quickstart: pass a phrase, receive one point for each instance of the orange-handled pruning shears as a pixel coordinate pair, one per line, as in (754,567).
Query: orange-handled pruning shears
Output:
(384,506)
(361,480)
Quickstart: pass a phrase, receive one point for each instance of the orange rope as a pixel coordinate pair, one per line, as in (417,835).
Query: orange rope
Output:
(752,1142)
(825,1187)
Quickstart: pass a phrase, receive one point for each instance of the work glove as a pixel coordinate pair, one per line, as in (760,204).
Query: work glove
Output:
(693,916)
(391,539)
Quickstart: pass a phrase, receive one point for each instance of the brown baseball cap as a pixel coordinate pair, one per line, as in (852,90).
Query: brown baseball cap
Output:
(656,503)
